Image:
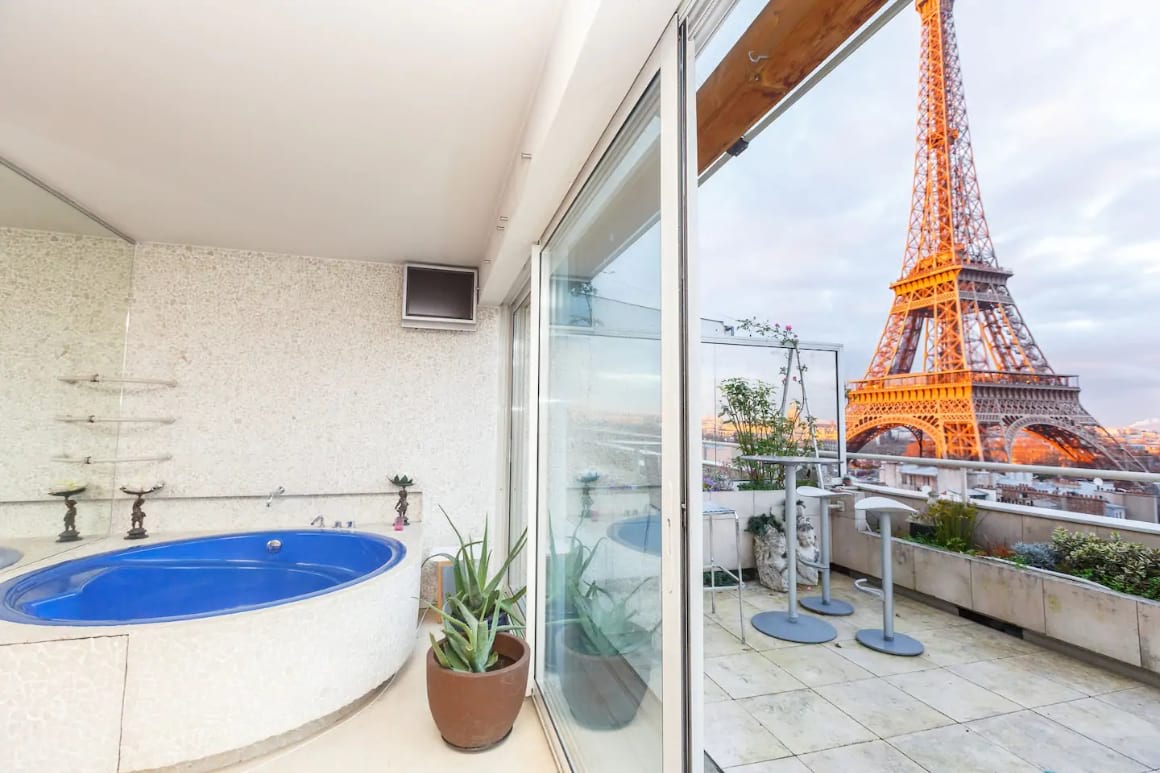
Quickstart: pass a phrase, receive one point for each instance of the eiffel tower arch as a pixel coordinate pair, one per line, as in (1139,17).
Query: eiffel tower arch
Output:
(956,363)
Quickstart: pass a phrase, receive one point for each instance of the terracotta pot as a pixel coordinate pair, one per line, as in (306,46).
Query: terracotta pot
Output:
(475,711)
(603,692)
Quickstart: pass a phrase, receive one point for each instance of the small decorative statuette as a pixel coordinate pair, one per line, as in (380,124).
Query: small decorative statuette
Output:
(586,480)
(403,482)
(68,490)
(137,517)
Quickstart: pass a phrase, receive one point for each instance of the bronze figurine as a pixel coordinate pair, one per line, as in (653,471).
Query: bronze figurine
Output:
(137,516)
(70,533)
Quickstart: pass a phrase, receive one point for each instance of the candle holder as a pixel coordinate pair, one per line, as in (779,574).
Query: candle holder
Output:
(137,517)
(70,533)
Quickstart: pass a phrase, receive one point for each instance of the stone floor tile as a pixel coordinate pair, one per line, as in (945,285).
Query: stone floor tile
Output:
(879,663)
(718,641)
(1120,730)
(912,615)
(954,696)
(1076,674)
(1015,683)
(870,757)
(958,749)
(882,707)
(734,737)
(726,618)
(959,644)
(815,666)
(1051,746)
(805,721)
(1142,701)
(785,765)
(749,674)
(762,598)
(713,692)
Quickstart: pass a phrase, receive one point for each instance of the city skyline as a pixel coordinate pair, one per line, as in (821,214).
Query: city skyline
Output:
(1069,174)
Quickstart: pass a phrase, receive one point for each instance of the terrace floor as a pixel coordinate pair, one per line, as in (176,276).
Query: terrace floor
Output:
(394,732)
(976,700)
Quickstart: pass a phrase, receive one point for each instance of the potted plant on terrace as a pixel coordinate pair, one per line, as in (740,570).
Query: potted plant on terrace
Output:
(603,689)
(478,671)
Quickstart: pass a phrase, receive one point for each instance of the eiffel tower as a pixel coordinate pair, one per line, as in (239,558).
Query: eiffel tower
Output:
(956,364)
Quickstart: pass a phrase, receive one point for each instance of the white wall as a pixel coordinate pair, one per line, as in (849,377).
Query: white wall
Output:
(292,371)
(62,311)
(295,371)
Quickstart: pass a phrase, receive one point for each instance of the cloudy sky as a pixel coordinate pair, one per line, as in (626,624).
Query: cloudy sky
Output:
(807,227)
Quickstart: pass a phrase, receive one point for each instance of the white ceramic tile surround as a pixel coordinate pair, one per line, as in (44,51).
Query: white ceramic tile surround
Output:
(198,688)
(60,705)
(63,299)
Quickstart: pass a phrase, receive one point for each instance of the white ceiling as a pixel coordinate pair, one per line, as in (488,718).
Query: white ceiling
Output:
(372,129)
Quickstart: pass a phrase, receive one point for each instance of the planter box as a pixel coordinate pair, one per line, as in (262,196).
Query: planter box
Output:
(1097,619)
(1102,621)
(1148,613)
(1006,592)
(944,575)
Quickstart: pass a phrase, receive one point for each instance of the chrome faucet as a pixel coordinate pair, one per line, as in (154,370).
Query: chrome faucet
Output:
(275,493)
(319,521)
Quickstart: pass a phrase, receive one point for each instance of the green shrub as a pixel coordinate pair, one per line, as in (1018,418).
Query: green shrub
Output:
(1127,567)
(1038,554)
(760,525)
(954,524)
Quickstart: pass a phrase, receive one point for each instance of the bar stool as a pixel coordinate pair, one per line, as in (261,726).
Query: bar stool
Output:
(790,625)
(885,639)
(709,511)
(823,605)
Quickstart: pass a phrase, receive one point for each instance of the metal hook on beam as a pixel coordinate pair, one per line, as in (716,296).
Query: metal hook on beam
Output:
(756,58)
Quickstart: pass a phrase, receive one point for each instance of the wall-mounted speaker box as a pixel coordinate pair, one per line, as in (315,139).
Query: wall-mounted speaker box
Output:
(439,297)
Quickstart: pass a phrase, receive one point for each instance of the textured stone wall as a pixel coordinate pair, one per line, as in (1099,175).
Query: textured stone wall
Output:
(63,300)
(291,371)
(295,372)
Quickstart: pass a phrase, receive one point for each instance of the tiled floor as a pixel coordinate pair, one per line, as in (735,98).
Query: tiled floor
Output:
(976,700)
(395,733)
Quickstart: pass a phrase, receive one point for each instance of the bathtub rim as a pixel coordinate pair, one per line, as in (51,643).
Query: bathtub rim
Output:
(11,615)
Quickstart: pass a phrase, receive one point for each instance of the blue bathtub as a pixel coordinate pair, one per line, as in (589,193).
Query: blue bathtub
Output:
(641,533)
(196,578)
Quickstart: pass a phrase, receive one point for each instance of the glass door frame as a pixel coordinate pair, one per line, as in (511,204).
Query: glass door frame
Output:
(681,628)
(526,289)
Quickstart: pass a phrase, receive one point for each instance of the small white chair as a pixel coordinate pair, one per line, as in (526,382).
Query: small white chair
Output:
(823,605)
(885,639)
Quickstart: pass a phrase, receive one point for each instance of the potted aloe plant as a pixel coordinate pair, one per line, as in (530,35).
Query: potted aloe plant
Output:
(603,689)
(564,570)
(477,671)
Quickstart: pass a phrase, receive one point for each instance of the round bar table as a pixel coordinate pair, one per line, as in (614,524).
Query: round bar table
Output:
(791,625)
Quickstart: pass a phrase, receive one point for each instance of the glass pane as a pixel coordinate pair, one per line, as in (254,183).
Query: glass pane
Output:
(602,437)
(518,456)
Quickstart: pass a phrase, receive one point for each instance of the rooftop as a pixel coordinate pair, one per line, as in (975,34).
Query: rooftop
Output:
(976,700)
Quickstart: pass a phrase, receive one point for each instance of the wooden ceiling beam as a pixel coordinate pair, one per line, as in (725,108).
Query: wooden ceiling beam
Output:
(789,39)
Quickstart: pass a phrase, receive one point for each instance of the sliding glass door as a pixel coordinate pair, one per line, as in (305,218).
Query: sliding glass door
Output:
(612,447)
(519,462)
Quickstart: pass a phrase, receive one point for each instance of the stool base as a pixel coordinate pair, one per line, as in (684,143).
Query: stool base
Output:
(803,629)
(835,607)
(901,645)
